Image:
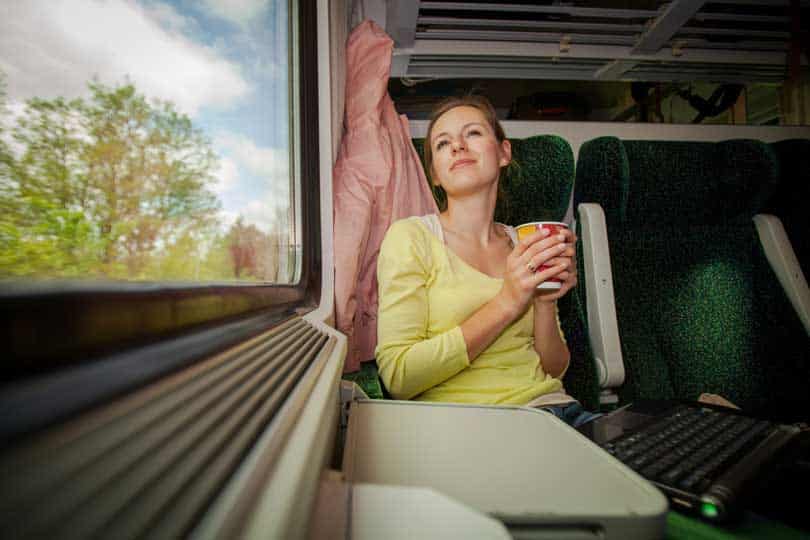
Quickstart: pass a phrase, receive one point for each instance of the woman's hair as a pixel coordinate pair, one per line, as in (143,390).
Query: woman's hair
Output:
(482,104)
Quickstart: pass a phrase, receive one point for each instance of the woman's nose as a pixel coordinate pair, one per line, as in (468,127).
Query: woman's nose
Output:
(458,144)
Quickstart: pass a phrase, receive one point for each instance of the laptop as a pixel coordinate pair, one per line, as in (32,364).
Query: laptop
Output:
(708,460)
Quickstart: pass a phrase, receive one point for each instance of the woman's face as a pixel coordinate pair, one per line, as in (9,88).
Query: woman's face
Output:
(467,156)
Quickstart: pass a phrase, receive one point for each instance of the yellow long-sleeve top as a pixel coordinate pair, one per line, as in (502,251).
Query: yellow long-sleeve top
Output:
(425,292)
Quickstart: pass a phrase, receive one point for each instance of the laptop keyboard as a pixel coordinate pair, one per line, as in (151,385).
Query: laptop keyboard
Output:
(690,447)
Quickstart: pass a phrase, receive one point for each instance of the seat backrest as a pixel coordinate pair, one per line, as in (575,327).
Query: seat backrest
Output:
(368,379)
(538,182)
(790,202)
(698,307)
(538,187)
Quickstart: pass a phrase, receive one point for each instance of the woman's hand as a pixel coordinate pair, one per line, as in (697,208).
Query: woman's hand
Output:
(568,275)
(521,277)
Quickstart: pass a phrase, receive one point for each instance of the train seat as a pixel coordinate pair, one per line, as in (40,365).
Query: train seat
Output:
(697,307)
(789,202)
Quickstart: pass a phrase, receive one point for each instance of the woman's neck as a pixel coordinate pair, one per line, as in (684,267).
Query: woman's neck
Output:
(471,219)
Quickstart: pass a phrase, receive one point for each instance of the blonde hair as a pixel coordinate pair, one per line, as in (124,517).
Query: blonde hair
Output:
(482,104)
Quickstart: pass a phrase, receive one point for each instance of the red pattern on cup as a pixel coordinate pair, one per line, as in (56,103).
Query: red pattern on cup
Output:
(554,227)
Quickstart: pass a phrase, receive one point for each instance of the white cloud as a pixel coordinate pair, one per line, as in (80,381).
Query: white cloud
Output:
(258,177)
(260,214)
(169,18)
(268,214)
(52,48)
(227,175)
(268,163)
(241,12)
(227,218)
(265,213)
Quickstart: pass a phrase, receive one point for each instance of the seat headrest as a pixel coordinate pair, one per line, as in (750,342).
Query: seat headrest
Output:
(794,185)
(669,182)
(538,182)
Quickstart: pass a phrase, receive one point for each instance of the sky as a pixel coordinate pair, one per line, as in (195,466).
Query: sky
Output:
(221,62)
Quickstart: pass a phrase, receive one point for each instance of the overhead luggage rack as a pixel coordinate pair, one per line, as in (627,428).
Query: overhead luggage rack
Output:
(720,41)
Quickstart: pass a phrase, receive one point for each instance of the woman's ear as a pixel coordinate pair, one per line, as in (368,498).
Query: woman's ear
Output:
(506,153)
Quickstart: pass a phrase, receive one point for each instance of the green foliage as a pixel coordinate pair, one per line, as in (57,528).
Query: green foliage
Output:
(217,263)
(47,241)
(113,185)
(5,153)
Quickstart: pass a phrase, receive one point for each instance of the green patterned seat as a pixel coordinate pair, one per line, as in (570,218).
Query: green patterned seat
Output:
(790,200)
(698,307)
(368,380)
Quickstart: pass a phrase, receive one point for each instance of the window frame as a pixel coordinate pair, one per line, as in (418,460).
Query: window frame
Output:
(56,330)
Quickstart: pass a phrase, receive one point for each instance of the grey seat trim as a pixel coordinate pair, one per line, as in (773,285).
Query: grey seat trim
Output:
(782,258)
(602,323)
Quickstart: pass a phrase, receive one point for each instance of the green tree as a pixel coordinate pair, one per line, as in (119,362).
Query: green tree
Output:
(152,170)
(194,256)
(5,157)
(5,153)
(217,263)
(44,229)
(104,186)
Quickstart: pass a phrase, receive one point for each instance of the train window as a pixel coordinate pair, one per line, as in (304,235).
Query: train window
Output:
(158,172)
(147,141)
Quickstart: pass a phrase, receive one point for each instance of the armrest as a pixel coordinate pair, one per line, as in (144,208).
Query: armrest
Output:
(782,258)
(602,325)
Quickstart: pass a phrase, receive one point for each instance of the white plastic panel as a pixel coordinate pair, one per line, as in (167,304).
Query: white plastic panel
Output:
(602,324)
(523,466)
(402,513)
(680,40)
(780,254)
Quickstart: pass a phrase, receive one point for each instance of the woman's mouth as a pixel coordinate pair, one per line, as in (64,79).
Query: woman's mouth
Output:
(461,163)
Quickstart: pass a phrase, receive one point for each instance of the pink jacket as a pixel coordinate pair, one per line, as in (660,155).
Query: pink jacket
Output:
(378,179)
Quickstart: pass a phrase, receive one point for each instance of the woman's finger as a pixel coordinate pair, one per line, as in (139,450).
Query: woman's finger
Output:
(537,243)
(525,243)
(570,251)
(558,260)
(563,276)
(548,255)
(552,295)
(546,273)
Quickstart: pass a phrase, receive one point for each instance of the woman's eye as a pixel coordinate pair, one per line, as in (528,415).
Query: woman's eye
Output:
(440,144)
(473,132)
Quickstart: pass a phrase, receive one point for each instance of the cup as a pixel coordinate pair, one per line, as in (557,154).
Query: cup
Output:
(528,229)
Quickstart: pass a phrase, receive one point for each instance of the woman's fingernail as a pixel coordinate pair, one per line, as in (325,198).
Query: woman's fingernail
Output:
(544,232)
(561,237)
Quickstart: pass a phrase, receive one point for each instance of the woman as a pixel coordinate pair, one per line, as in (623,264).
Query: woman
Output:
(460,316)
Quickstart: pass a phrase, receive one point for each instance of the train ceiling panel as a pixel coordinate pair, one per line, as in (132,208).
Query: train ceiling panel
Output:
(632,40)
